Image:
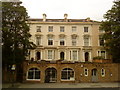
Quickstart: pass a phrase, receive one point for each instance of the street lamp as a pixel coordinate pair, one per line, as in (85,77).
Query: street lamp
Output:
(13,70)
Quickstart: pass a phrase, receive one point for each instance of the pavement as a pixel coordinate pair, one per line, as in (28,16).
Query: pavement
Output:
(61,85)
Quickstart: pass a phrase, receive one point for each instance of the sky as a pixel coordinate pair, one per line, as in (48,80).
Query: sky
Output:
(76,9)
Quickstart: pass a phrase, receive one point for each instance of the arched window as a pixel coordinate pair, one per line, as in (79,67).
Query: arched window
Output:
(38,55)
(86,56)
(62,55)
(67,74)
(33,74)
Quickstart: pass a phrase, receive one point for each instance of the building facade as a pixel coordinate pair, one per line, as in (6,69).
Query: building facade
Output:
(65,51)
(67,39)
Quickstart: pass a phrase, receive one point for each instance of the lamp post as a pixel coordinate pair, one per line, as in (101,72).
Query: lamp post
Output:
(13,71)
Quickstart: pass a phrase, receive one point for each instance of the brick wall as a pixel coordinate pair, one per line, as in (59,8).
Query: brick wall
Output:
(111,71)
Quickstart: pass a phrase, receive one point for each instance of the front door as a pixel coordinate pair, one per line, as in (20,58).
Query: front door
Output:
(94,75)
(50,75)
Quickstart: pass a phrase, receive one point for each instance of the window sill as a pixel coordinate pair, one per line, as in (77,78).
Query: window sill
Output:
(33,79)
(67,80)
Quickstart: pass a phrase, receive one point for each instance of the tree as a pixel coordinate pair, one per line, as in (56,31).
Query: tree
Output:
(15,33)
(111,26)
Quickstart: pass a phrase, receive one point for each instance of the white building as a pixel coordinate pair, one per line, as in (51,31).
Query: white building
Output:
(66,39)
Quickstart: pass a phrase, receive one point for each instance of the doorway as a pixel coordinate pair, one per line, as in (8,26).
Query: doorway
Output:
(94,75)
(50,75)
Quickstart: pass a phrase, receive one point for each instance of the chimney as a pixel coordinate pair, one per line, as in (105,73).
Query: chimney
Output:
(65,17)
(88,19)
(44,17)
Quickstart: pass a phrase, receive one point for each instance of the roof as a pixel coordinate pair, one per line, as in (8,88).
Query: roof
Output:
(61,20)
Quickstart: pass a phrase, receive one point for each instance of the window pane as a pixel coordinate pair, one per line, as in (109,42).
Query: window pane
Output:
(33,73)
(74,41)
(38,28)
(38,40)
(64,75)
(50,29)
(61,29)
(85,29)
(103,54)
(101,40)
(30,75)
(62,41)
(49,54)
(86,72)
(73,29)
(74,55)
(67,74)
(37,74)
(103,72)
(86,41)
(50,41)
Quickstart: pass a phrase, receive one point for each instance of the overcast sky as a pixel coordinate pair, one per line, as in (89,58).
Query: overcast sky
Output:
(76,9)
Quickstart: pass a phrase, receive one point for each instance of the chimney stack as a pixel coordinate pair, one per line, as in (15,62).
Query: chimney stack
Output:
(44,17)
(88,19)
(65,17)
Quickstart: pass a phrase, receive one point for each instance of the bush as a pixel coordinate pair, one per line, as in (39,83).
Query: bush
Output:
(98,57)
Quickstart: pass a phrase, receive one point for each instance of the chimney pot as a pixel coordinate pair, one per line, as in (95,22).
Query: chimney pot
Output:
(44,17)
(65,17)
(88,19)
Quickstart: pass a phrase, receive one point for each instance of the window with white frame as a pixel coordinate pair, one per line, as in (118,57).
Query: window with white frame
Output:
(33,74)
(102,72)
(85,29)
(62,41)
(86,72)
(74,41)
(86,40)
(50,54)
(102,54)
(74,28)
(38,40)
(74,53)
(50,40)
(50,29)
(38,28)
(67,74)
(62,29)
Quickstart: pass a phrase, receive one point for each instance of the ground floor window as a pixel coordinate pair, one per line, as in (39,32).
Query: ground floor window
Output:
(67,74)
(102,72)
(33,74)
(86,72)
